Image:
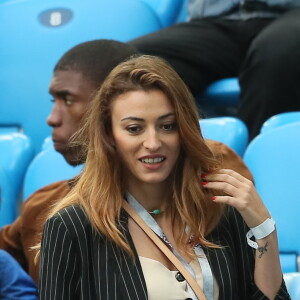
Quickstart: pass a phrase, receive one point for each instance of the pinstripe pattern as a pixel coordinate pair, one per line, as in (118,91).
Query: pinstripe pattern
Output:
(77,263)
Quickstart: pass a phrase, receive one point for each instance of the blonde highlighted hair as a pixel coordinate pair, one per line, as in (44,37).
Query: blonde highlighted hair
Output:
(100,190)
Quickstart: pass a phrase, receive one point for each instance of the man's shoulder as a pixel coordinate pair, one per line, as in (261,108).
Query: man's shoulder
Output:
(54,191)
(52,187)
(217,147)
(38,205)
(228,158)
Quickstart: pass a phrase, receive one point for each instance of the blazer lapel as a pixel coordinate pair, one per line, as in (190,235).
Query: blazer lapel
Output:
(130,280)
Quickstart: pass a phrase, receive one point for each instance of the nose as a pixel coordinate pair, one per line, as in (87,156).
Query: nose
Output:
(152,140)
(55,117)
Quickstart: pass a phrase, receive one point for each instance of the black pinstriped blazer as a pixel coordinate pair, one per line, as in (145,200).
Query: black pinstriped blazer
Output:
(77,263)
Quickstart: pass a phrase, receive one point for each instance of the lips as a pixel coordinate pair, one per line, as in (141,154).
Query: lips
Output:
(59,145)
(152,160)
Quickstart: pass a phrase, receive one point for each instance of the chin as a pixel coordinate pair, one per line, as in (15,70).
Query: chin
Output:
(73,162)
(154,180)
(72,157)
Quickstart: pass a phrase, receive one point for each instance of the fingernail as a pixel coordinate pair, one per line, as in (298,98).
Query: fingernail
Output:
(203,175)
(204,182)
(213,198)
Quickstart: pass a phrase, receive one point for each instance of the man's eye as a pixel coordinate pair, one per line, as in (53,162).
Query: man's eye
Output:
(133,129)
(169,126)
(68,102)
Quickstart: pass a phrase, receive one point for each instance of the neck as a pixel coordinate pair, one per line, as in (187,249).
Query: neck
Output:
(154,197)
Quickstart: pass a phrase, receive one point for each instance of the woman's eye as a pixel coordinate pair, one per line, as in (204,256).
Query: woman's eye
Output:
(169,126)
(133,129)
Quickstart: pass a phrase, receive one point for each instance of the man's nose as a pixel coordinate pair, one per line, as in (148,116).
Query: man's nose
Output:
(55,117)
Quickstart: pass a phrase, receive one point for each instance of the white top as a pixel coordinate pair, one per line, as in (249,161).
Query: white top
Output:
(162,283)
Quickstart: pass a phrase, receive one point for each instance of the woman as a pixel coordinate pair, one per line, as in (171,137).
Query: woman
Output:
(144,147)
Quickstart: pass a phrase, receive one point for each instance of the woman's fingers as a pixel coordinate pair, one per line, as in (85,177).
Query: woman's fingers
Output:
(239,193)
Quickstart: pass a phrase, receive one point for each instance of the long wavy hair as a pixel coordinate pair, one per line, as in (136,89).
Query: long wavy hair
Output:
(100,189)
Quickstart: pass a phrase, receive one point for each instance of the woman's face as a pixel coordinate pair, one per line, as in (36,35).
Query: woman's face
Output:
(145,135)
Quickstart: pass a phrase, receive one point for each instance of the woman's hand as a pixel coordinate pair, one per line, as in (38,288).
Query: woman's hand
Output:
(240,193)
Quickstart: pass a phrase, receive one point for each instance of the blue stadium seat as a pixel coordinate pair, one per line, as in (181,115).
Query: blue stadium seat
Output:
(35,34)
(280,120)
(183,14)
(292,281)
(7,200)
(228,130)
(47,144)
(166,10)
(15,155)
(224,92)
(273,159)
(9,129)
(47,167)
(220,98)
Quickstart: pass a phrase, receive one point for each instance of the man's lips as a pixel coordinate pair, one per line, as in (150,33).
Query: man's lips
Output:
(59,144)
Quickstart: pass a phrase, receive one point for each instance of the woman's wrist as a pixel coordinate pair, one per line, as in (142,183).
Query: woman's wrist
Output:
(259,232)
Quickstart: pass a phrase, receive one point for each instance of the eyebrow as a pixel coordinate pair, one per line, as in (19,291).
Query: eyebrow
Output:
(142,120)
(62,93)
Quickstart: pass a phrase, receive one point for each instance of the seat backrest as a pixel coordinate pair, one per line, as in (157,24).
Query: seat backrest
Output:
(7,200)
(167,11)
(229,130)
(223,92)
(183,14)
(292,281)
(16,152)
(47,167)
(36,33)
(273,159)
(279,120)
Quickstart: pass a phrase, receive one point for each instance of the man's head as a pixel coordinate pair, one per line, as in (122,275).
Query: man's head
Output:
(77,75)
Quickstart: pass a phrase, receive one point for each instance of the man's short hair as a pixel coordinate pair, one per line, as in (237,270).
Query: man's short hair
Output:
(95,59)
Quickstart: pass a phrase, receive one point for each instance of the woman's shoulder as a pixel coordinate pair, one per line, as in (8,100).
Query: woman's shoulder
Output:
(72,211)
(73,218)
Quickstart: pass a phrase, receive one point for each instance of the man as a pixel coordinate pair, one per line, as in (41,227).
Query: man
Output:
(256,41)
(76,77)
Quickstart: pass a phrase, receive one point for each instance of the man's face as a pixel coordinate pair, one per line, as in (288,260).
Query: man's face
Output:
(71,94)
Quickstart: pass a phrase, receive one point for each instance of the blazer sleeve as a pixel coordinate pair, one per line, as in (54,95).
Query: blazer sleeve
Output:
(58,274)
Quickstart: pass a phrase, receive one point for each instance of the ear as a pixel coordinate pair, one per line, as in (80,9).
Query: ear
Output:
(111,140)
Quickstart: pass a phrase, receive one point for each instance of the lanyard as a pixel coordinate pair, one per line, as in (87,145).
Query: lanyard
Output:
(205,267)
